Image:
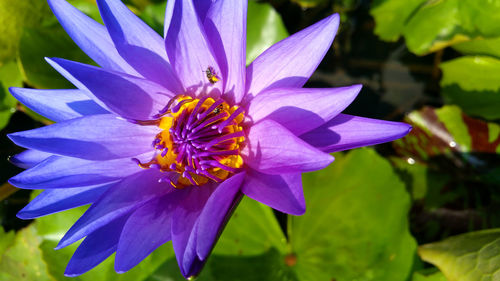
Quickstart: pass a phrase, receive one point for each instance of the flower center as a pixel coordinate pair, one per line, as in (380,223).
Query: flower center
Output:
(200,141)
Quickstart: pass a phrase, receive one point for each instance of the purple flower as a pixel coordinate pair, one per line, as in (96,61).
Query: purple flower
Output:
(168,133)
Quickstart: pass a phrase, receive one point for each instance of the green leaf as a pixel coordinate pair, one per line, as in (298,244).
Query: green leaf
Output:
(437,276)
(472,256)
(154,16)
(472,83)
(23,259)
(14,17)
(9,77)
(355,226)
(252,230)
(431,25)
(480,46)
(36,44)
(391,17)
(305,4)
(6,240)
(264,28)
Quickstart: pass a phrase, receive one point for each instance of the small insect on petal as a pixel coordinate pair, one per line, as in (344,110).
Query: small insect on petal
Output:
(212,75)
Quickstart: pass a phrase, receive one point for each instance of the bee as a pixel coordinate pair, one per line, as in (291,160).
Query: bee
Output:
(212,75)
(218,109)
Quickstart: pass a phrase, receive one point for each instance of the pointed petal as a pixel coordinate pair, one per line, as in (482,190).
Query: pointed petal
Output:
(61,172)
(281,192)
(29,158)
(95,248)
(290,62)
(57,105)
(95,137)
(189,50)
(56,200)
(121,199)
(348,132)
(90,36)
(272,149)
(140,45)
(225,25)
(146,229)
(128,96)
(183,224)
(301,109)
(215,213)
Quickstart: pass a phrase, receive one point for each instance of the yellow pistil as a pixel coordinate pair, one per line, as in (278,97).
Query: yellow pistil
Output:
(199,142)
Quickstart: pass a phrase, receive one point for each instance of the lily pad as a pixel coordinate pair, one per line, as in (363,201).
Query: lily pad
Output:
(430,25)
(472,256)
(36,44)
(9,77)
(15,16)
(355,226)
(472,83)
(264,28)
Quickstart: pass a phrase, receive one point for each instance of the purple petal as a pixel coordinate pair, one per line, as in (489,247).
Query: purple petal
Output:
(57,105)
(301,109)
(189,51)
(95,248)
(201,7)
(61,172)
(121,199)
(347,132)
(281,192)
(140,45)
(183,221)
(225,25)
(272,149)
(29,158)
(90,36)
(290,62)
(147,228)
(127,96)
(95,137)
(215,214)
(57,200)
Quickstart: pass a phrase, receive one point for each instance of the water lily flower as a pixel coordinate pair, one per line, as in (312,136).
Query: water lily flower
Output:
(168,133)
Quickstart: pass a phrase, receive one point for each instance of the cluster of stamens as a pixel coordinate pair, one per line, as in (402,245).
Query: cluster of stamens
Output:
(201,140)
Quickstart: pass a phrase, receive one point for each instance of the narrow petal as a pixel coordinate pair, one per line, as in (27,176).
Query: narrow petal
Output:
(128,96)
(121,199)
(95,248)
(272,149)
(201,7)
(147,228)
(140,45)
(347,132)
(183,224)
(61,172)
(90,36)
(301,109)
(215,213)
(29,158)
(225,25)
(56,200)
(189,51)
(290,62)
(58,105)
(96,137)
(281,192)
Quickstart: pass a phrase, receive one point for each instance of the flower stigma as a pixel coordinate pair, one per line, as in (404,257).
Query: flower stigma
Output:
(201,140)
